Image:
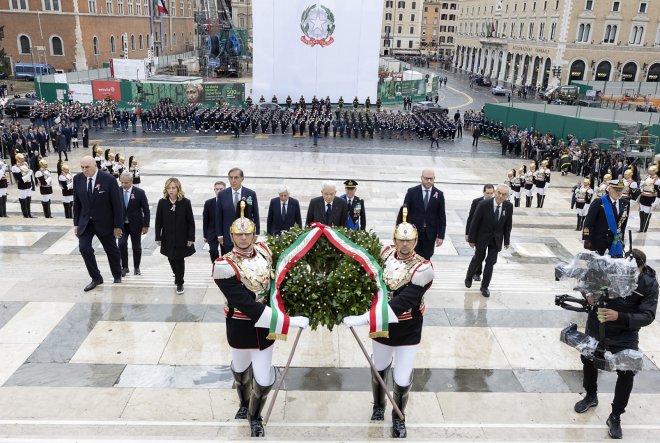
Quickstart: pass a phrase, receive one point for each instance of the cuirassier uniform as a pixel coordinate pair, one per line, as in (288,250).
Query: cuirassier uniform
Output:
(407,279)
(541,177)
(23,177)
(66,183)
(529,185)
(583,196)
(45,180)
(3,188)
(649,197)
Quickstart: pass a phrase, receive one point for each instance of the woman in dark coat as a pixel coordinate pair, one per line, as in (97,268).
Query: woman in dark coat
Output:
(175,229)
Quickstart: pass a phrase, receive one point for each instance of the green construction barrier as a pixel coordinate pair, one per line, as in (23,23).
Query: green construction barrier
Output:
(550,123)
(393,91)
(522,118)
(52,92)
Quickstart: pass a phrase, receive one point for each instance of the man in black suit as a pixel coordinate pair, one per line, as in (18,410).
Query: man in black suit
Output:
(489,192)
(426,210)
(136,222)
(489,229)
(596,233)
(226,204)
(283,212)
(328,209)
(97,211)
(208,221)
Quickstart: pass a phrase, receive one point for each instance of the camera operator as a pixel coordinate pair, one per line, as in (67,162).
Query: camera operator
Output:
(622,320)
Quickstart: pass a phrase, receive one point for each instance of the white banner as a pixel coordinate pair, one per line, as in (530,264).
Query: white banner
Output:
(326,48)
(129,69)
(81,93)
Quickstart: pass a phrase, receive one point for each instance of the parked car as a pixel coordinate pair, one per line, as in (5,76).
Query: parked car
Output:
(483,81)
(23,105)
(499,90)
(269,107)
(3,75)
(547,92)
(561,94)
(429,107)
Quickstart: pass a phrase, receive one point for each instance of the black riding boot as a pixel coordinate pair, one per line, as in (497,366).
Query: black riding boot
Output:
(401,400)
(243,385)
(28,203)
(70,209)
(517,202)
(3,206)
(258,398)
(44,206)
(579,221)
(582,222)
(23,202)
(528,201)
(379,395)
(542,200)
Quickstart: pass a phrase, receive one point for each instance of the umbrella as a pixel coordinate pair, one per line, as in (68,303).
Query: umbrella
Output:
(601,141)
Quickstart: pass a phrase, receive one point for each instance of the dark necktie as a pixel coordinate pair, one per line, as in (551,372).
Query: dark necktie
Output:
(89,187)
(283,211)
(328,212)
(614,208)
(497,214)
(426,198)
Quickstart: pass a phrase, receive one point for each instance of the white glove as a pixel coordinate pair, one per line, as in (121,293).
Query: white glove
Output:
(356,320)
(299,322)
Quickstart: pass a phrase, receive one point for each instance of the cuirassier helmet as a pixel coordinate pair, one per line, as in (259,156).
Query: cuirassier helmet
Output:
(405,230)
(243,225)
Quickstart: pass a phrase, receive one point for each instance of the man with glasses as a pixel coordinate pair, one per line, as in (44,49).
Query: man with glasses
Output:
(426,210)
(226,208)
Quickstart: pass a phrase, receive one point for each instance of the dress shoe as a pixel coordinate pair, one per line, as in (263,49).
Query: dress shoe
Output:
(614,423)
(93,284)
(117,280)
(468,282)
(588,402)
(477,277)
(124,272)
(179,289)
(485,292)
(137,271)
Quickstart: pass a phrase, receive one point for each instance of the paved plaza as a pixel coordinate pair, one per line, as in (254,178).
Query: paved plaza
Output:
(136,361)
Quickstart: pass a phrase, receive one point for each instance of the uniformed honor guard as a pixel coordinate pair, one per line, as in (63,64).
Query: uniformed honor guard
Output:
(23,177)
(583,196)
(357,218)
(45,181)
(65,180)
(243,275)
(649,198)
(605,225)
(408,276)
(3,188)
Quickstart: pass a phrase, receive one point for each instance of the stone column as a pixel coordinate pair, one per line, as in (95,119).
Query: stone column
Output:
(500,76)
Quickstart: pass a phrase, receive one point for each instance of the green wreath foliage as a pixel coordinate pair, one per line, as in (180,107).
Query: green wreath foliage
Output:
(326,285)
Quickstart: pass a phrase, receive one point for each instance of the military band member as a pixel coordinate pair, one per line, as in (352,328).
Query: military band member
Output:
(529,184)
(243,276)
(23,176)
(583,196)
(357,218)
(45,180)
(649,197)
(408,276)
(65,180)
(3,187)
(97,153)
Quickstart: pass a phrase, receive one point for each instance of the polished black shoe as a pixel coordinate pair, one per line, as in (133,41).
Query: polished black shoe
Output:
(137,271)
(378,413)
(117,280)
(242,413)
(485,292)
(179,289)
(93,284)
(124,272)
(468,282)
(477,277)
(589,401)
(257,428)
(614,422)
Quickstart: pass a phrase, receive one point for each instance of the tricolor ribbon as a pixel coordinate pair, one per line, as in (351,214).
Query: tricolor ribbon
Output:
(378,315)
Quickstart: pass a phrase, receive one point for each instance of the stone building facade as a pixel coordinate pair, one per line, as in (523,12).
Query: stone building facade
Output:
(526,42)
(74,35)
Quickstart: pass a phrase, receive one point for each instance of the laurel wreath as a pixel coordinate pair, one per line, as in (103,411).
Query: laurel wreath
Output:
(326,285)
(304,25)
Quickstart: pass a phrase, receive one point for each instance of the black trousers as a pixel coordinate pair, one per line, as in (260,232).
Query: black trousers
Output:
(425,247)
(109,244)
(178,266)
(624,385)
(488,252)
(136,245)
(224,248)
(213,250)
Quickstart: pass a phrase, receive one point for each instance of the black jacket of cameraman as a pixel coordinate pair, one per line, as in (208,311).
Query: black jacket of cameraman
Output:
(635,311)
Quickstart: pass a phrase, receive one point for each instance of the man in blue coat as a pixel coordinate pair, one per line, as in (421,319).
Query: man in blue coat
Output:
(208,221)
(97,211)
(426,210)
(225,210)
(283,212)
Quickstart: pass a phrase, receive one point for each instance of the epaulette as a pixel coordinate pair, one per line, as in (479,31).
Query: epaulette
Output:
(263,247)
(423,274)
(386,251)
(224,268)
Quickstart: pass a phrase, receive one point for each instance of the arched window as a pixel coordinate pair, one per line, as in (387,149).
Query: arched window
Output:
(148,41)
(140,41)
(580,33)
(608,30)
(613,34)
(24,44)
(95,45)
(112,44)
(56,47)
(132,43)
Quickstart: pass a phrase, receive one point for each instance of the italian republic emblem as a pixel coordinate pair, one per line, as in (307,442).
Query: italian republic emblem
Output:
(317,24)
